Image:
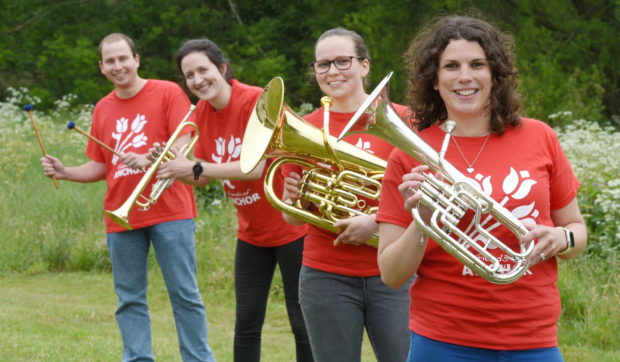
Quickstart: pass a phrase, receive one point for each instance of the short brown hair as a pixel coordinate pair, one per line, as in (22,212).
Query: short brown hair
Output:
(111,38)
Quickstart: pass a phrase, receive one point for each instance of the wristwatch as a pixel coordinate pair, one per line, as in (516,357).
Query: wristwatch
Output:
(570,241)
(197,170)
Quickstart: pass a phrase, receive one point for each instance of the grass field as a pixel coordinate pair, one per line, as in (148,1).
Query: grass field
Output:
(70,317)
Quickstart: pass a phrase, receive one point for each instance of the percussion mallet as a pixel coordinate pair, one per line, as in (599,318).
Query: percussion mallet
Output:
(28,108)
(71,125)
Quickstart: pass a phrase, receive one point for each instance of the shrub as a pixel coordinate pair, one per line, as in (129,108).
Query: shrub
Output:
(593,152)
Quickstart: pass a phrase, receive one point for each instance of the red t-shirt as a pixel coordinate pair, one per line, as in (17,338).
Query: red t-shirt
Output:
(133,125)
(319,250)
(221,135)
(526,171)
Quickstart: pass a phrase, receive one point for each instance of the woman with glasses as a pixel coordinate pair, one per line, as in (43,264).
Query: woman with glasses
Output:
(341,292)
(264,239)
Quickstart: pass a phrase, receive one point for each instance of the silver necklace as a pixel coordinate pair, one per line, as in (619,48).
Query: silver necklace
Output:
(470,168)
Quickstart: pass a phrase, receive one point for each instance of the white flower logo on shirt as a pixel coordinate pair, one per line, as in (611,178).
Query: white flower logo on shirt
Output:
(121,125)
(232,148)
(516,186)
(484,183)
(526,214)
(364,145)
(219,148)
(133,139)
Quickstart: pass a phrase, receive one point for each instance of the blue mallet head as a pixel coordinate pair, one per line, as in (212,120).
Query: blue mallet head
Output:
(71,125)
(28,107)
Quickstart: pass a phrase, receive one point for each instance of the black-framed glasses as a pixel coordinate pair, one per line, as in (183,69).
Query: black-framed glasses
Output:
(341,63)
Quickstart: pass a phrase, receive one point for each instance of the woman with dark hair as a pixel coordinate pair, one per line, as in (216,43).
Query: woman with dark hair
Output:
(340,290)
(462,69)
(264,238)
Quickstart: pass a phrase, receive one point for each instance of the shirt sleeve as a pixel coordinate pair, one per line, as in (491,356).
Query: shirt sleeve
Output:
(563,183)
(391,203)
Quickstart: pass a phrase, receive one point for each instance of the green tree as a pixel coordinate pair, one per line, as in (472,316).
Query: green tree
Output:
(566,48)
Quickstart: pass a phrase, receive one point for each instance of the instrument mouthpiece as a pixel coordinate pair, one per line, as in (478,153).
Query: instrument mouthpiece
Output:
(326,101)
(450,126)
(28,107)
(71,125)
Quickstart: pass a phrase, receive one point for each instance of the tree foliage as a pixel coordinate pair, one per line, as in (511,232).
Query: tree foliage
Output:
(566,48)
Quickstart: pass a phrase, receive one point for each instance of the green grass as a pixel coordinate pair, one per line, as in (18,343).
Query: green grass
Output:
(70,317)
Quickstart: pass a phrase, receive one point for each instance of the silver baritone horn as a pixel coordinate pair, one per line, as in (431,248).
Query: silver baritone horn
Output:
(338,177)
(449,199)
(121,215)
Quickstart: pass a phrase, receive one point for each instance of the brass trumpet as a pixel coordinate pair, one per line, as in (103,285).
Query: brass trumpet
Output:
(450,199)
(336,175)
(121,215)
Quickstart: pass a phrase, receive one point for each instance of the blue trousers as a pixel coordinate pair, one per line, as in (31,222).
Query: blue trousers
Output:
(425,349)
(174,247)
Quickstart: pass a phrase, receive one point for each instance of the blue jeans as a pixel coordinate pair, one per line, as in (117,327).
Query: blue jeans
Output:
(426,349)
(337,308)
(174,247)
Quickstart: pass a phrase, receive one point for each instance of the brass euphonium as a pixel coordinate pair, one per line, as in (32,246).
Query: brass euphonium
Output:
(338,176)
(448,198)
(121,215)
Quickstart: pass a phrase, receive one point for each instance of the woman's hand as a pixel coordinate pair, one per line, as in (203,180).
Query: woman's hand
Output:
(155,151)
(410,190)
(550,241)
(178,168)
(291,195)
(291,188)
(357,229)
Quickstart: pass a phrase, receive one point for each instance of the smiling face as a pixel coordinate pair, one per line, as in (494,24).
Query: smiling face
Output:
(119,64)
(464,80)
(341,85)
(204,79)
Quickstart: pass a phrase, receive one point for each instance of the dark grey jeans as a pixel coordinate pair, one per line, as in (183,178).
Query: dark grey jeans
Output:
(337,308)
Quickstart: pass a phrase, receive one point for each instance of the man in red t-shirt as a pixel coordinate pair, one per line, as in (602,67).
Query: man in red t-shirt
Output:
(137,113)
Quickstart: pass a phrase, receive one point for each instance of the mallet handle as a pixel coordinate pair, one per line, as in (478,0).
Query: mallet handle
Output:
(36,132)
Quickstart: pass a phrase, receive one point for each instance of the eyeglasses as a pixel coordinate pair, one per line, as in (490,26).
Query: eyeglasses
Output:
(341,63)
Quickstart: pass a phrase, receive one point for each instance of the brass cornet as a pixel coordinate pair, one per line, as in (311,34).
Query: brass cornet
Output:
(121,215)
(450,198)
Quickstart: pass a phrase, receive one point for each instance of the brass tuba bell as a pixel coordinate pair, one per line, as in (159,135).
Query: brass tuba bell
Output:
(339,187)
(450,198)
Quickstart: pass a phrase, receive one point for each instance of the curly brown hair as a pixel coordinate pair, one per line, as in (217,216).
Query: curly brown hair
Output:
(422,63)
